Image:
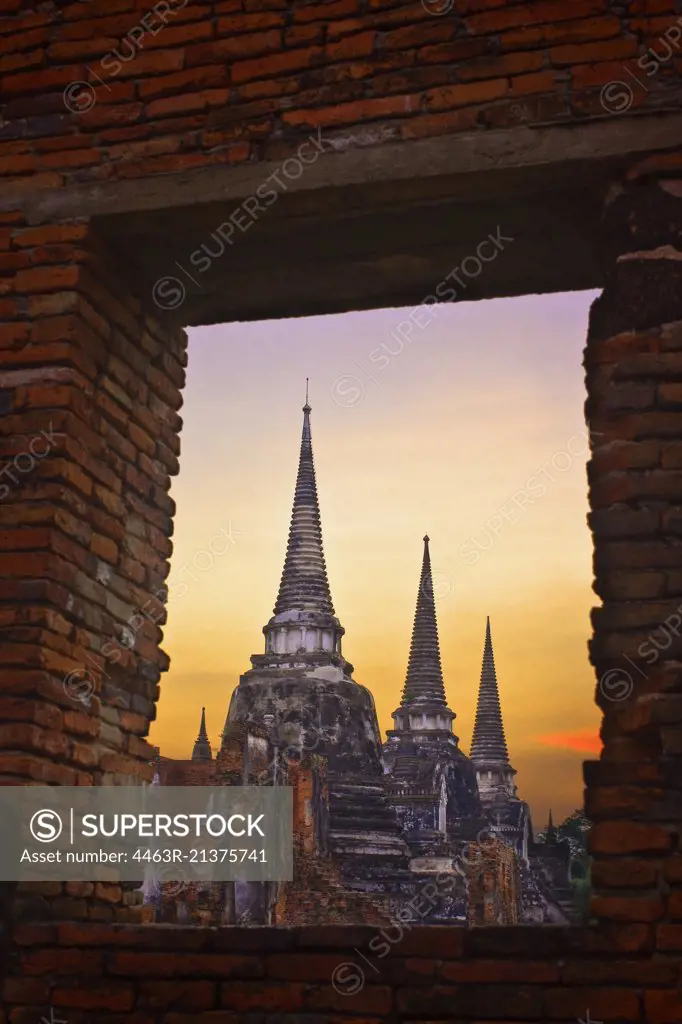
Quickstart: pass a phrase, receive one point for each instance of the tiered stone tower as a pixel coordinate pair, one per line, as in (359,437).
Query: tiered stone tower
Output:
(489,745)
(303,687)
(202,747)
(431,782)
(545,890)
(509,816)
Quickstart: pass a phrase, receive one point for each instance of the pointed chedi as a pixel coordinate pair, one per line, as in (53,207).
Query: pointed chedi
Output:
(551,833)
(202,747)
(432,784)
(489,745)
(303,687)
(424,681)
(304,585)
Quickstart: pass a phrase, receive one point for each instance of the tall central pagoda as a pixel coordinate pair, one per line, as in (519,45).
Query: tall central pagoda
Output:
(303,686)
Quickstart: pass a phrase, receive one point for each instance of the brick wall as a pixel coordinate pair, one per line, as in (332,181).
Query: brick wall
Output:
(634,409)
(120,89)
(170,975)
(86,523)
(89,396)
(89,391)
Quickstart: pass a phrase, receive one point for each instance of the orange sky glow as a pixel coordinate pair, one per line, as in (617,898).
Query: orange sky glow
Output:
(473,432)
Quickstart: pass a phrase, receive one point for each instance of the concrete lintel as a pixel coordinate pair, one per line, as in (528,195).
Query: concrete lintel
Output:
(470,153)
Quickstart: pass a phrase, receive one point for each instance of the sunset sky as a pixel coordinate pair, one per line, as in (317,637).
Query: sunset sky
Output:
(474,434)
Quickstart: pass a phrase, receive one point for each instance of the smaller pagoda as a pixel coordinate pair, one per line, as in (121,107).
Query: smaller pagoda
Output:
(432,784)
(202,748)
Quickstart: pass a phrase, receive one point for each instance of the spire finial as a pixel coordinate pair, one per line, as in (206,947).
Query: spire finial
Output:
(306,407)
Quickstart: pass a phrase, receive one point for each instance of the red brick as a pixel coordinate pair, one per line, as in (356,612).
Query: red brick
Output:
(663,1007)
(526,85)
(177,105)
(286,997)
(165,85)
(41,81)
(63,961)
(360,45)
(177,995)
(495,67)
(419,35)
(350,113)
(669,938)
(26,990)
(589,53)
(154,63)
(625,873)
(580,31)
(49,233)
(605,1004)
(263,67)
(465,95)
(327,11)
(533,14)
(440,124)
(180,35)
(673,869)
(499,971)
(625,837)
(96,997)
(239,24)
(17,61)
(630,908)
(305,35)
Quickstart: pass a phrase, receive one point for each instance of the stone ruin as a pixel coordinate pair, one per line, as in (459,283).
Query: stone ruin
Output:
(380,823)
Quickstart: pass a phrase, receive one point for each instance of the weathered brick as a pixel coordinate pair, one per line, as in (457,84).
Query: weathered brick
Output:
(663,1007)
(264,67)
(287,997)
(625,873)
(623,837)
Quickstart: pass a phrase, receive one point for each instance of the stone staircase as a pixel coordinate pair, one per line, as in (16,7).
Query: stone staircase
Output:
(364,834)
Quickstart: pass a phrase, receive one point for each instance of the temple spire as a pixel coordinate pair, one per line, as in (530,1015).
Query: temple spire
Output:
(551,833)
(202,747)
(424,681)
(489,743)
(304,585)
